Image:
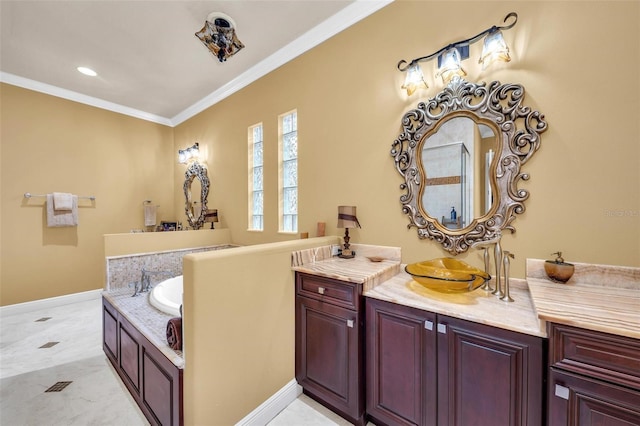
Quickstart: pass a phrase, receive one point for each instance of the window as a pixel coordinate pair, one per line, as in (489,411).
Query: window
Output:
(288,171)
(256,181)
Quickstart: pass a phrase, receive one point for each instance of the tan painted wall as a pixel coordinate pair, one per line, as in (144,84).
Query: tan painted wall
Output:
(239,327)
(50,144)
(578,61)
(148,242)
(585,180)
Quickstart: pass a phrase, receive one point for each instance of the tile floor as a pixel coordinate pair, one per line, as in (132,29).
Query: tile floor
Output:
(63,344)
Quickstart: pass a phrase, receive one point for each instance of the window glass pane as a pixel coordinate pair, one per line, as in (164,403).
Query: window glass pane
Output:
(257,203)
(257,154)
(257,179)
(287,126)
(257,222)
(256,182)
(257,134)
(290,174)
(290,205)
(290,150)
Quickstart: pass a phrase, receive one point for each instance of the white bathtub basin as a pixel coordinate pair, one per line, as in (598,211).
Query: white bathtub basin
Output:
(167,296)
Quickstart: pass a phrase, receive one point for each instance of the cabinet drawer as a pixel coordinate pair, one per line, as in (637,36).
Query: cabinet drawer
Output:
(328,290)
(605,356)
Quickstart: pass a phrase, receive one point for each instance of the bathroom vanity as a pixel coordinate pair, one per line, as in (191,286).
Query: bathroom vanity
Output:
(329,343)
(460,359)
(593,325)
(154,382)
(426,368)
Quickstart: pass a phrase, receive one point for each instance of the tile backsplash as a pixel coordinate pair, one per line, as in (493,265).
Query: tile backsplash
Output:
(124,271)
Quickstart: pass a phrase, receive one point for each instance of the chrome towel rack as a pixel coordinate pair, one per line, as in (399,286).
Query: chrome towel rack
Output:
(29,195)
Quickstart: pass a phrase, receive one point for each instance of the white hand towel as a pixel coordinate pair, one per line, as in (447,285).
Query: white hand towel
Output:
(58,218)
(150,215)
(62,201)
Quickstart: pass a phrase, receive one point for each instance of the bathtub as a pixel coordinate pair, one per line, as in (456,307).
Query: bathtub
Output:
(167,296)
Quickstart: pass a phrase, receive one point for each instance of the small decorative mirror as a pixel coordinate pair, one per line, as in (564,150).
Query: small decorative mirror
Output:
(460,154)
(196,181)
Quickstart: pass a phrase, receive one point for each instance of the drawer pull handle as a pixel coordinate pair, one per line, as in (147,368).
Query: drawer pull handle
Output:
(350,323)
(562,392)
(321,290)
(428,325)
(442,328)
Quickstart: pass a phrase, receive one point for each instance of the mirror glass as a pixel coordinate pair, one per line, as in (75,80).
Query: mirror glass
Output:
(196,192)
(461,154)
(194,202)
(456,161)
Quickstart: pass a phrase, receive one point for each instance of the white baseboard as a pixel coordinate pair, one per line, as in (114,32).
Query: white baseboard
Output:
(272,406)
(52,302)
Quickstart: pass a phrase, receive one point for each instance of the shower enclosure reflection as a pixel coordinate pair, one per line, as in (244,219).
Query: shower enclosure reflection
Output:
(457,161)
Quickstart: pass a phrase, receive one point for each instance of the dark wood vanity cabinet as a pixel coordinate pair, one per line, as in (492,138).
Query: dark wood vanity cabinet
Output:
(329,344)
(401,364)
(429,369)
(594,378)
(154,382)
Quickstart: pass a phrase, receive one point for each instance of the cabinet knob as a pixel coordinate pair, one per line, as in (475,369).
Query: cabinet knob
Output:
(442,328)
(428,325)
(350,323)
(562,392)
(321,290)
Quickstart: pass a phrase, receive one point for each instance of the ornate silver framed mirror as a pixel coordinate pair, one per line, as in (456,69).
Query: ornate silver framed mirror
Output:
(461,155)
(195,178)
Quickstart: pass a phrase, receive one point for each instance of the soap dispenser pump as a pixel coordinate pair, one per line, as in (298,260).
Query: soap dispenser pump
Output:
(558,270)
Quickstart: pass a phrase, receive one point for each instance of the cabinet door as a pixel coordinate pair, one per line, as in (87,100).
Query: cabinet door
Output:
(576,400)
(110,332)
(328,355)
(401,364)
(129,353)
(488,376)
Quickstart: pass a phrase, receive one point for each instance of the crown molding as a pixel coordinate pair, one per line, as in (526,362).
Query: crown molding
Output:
(353,13)
(79,97)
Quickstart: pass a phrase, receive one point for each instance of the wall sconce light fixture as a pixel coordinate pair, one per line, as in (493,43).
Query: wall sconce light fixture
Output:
(347,219)
(190,154)
(450,56)
(211,216)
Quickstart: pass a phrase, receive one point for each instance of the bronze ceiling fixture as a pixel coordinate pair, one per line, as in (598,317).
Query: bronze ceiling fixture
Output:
(219,35)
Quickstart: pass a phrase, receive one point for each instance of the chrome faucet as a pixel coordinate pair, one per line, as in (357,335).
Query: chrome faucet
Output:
(497,252)
(145,281)
(507,266)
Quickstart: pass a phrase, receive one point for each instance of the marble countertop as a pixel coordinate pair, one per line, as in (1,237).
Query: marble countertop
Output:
(148,320)
(597,297)
(386,280)
(477,306)
(360,270)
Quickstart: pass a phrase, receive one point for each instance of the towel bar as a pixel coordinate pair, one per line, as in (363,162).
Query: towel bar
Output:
(29,195)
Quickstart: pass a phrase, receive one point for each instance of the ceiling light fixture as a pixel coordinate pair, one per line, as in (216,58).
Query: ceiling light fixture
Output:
(87,71)
(450,56)
(219,35)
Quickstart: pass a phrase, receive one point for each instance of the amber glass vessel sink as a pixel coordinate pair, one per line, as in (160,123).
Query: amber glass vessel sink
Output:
(447,275)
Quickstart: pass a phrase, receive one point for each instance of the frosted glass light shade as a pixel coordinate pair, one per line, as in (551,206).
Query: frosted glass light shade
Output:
(450,65)
(414,80)
(495,49)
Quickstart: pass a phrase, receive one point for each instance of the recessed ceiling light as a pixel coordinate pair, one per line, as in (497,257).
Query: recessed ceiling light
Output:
(87,71)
